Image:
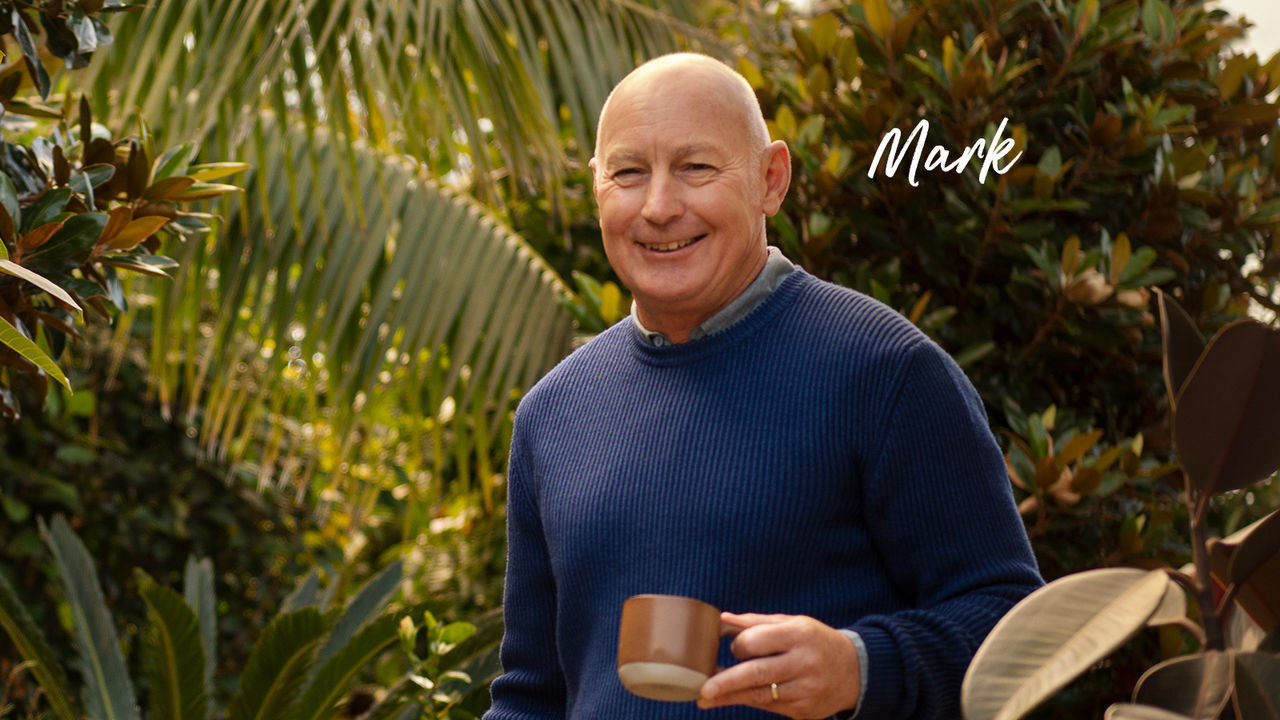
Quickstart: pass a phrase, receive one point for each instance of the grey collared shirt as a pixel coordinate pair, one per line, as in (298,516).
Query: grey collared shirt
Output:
(776,268)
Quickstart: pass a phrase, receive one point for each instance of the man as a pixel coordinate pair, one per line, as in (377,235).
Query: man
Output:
(753,437)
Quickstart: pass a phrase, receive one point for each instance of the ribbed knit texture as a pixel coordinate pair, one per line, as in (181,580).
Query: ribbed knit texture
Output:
(821,456)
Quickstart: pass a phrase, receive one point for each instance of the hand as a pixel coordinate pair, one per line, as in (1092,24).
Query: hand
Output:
(814,666)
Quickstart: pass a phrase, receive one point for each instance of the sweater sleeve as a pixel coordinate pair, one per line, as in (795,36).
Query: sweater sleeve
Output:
(531,686)
(942,518)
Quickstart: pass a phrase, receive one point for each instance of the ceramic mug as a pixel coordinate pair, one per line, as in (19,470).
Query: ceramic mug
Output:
(667,646)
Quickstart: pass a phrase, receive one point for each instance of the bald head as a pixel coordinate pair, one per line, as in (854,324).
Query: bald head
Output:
(725,91)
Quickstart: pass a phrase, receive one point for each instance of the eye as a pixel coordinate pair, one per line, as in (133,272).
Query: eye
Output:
(699,167)
(627,174)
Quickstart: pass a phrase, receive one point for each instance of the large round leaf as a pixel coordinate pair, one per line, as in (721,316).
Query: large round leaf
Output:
(1197,686)
(1257,686)
(1055,634)
(1228,410)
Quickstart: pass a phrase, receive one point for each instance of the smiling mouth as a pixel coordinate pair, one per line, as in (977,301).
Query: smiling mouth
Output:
(672,247)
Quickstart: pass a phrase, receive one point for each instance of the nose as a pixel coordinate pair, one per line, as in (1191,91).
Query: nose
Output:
(662,200)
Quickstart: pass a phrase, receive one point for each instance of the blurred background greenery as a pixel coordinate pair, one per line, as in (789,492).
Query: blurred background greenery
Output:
(325,380)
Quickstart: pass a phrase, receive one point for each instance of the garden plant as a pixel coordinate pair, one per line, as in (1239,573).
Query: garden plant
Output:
(1225,404)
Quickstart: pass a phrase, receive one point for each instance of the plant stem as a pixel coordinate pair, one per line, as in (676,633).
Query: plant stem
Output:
(1198,503)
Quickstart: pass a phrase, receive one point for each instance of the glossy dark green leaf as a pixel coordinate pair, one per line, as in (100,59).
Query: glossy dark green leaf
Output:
(176,661)
(1198,686)
(11,219)
(1181,342)
(32,646)
(1228,410)
(44,209)
(29,52)
(73,240)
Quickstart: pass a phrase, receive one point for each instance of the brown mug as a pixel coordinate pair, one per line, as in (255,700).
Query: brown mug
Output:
(667,646)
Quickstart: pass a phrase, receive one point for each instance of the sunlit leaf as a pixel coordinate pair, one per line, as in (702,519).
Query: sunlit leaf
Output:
(49,286)
(1055,634)
(20,344)
(1130,711)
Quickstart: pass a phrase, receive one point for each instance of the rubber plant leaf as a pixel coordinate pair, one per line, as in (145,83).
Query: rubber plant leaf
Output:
(1131,711)
(1257,694)
(1181,341)
(1054,634)
(1229,408)
(1197,686)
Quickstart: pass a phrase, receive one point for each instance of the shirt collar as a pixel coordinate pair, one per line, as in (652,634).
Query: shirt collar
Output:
(775,270)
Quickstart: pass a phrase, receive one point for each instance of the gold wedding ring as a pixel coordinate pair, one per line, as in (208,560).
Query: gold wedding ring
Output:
(773,690)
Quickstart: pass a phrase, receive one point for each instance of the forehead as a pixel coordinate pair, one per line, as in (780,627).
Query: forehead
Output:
(671,119)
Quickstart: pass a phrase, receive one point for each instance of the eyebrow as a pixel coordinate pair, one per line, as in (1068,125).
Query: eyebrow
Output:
(627,157)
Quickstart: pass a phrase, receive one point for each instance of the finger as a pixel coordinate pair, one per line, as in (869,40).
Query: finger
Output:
(768,638)
(747,677)
(760,696)
(746,620)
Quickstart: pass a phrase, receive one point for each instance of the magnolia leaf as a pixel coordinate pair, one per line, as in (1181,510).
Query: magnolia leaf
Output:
(135,232)
(1228,409)
(1198,686)
(202,191)
(21,344)
(1181,341)
(174,162)
(1257,695)
(44,209)
(166,188)
(213,171)
(879,17)
(9,201)
(44,283)
(1054,634)
(1130,711)
(142,262)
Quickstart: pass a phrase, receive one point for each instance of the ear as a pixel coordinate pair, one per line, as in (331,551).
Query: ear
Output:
(777,176)
(593,164)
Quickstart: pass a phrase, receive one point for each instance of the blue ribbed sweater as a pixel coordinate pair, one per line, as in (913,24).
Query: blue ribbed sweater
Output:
(821,456)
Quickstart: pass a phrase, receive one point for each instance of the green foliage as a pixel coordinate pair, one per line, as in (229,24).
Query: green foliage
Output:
(133,488)
(303,666)
(1145,158)
(76,206)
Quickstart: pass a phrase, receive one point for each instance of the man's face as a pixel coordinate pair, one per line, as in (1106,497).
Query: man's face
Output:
(682,198)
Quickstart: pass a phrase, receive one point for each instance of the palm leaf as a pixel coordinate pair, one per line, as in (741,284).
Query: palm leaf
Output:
(108,691)
(199,594)
(370,600)
(32,646)
(336,676)
(177,660)
(277,666)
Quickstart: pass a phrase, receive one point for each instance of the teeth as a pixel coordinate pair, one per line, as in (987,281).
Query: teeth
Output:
(675,245)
